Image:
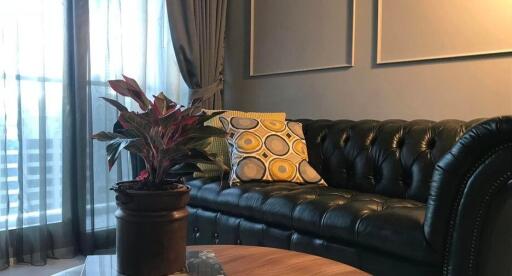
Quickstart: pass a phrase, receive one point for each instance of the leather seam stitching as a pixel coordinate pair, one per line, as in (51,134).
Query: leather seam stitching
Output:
(456,204)
(477,225)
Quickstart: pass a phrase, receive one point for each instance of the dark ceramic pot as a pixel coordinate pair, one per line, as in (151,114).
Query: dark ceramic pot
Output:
(151,230)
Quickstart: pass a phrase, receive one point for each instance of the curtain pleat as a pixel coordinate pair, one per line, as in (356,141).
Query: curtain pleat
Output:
(4,195)
(42,237)
(198,28)
(19,232)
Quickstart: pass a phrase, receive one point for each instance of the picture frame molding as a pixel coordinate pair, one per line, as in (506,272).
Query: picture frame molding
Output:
(423,58)
(343,65)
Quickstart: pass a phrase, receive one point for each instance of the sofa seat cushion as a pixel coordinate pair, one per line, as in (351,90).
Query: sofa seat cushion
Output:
(398,228)
(245,200)
(370,220)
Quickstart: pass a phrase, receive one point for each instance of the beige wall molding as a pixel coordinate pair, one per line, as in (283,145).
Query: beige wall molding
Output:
(445,89)
(301,35)
(425,29)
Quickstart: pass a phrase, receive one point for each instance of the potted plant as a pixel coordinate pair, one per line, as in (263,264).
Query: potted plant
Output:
(152,215)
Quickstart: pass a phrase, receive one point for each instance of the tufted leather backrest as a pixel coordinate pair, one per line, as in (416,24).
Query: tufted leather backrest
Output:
(393,158)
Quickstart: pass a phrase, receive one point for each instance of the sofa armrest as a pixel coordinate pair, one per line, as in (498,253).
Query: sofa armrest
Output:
(466,185)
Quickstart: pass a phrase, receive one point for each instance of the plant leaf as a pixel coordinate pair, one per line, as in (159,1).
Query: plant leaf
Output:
(129,133)
(196,156)
(205,131)
(138,147)
(155,137)
(119,106)
(220,164)
(159,106)
(114,148)
(137,122)
(107,136)
(202,156)
(174,152)
(203,119)
(168,158)
(130,88)
(170,117)
(185,168)
(133,83)
(197,143)
(164,104)
(194,110)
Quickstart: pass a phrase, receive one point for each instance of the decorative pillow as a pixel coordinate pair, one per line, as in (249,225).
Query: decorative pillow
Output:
(220,147)
(268,150)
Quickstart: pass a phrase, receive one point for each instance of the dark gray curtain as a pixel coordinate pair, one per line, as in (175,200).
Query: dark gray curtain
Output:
(197,29)
(78,166)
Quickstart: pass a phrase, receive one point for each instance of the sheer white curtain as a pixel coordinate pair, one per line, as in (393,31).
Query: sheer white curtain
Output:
(31,94)
(130,38)
(37,205)
(31,74)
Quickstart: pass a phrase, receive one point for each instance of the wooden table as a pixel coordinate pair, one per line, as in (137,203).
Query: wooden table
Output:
(254,260)
(245,261)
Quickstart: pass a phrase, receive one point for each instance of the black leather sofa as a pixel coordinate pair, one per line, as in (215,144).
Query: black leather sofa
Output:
(404,198)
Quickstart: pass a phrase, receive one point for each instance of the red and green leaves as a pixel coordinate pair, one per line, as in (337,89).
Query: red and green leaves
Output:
(119,106)
(130,88)
(116,143)
(163,106)
(166,135)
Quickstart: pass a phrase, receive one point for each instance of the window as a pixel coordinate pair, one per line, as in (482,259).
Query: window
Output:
(31,89)
(126,37)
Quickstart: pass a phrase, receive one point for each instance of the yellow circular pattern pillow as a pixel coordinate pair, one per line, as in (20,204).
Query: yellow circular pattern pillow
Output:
(268,150)
(248,142)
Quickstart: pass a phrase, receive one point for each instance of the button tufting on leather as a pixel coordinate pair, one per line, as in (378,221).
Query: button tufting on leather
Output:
(339,151)
(405,178)
(345,138)
(400,142)
(372,139)
(371,178)
(376,176)
(349,171)
(431,143)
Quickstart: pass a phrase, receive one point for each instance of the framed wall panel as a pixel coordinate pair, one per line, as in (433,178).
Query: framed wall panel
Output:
(426,29)
(301,35)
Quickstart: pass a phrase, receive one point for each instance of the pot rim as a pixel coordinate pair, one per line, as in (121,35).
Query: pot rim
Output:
(136,192)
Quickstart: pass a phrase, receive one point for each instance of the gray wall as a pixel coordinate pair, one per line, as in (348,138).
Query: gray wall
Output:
(462,88)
